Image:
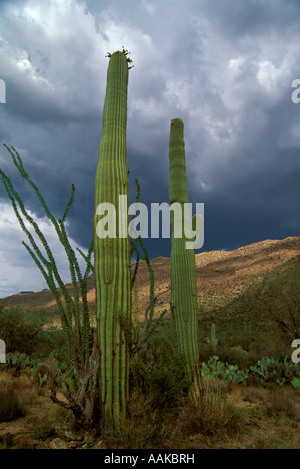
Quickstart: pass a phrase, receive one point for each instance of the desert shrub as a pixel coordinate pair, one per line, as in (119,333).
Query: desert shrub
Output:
(280,401)
(160,373)
(10,406)
(209,412)
(252,394)
(239,344)
(146,427)
(237,356)
(43,431)
(43,375)
(21,332)
(275,300)
(56,338)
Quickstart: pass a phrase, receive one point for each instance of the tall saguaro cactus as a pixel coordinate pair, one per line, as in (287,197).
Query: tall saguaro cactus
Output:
(183,267)
(112,254)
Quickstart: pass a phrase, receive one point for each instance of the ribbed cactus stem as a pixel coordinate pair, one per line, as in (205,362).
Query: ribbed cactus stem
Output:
(212,340)
(112,255)
(135,302)
(183,267)
(213,335)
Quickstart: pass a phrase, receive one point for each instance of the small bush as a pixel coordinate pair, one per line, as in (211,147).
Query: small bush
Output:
(22,333)
(56,338)
(208,412)
(43,431)
(161,375)
(10,407)
(146,427)
(252,394)
(236,356)
(43,375)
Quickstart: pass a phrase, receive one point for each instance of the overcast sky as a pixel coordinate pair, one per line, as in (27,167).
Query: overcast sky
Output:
(225,67)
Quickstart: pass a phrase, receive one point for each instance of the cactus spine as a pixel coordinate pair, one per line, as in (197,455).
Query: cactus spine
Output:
(183,267)
(112,255)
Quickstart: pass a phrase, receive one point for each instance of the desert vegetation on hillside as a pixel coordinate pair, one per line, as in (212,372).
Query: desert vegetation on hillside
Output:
(249,385)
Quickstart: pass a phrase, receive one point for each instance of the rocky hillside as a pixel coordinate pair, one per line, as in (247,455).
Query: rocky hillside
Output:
(218,272)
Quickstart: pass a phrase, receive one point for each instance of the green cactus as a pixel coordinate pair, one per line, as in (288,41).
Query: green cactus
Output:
(112,255)
(271,370)
(212,340)
(135,301)
(183,267)
(214,369)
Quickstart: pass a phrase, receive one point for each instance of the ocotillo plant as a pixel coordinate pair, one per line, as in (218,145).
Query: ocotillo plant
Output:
(150,323)
(183,268)
(72,305)
(112,254)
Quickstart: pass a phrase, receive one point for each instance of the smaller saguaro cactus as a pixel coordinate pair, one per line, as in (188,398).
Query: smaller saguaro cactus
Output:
(212,340)
(183,267)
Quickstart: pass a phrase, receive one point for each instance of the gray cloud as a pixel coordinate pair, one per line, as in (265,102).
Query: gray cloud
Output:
(224,67)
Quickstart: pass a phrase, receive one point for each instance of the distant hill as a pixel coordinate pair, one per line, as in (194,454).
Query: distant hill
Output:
(218,273)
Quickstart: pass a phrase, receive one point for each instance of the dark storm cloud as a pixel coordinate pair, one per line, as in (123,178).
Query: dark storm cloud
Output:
(224,67)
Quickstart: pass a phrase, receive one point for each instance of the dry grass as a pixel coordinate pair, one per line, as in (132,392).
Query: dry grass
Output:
(24,409)
(22,386)
(146,427)
(281,401)
(209,412)
(218,416)
(10,406)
